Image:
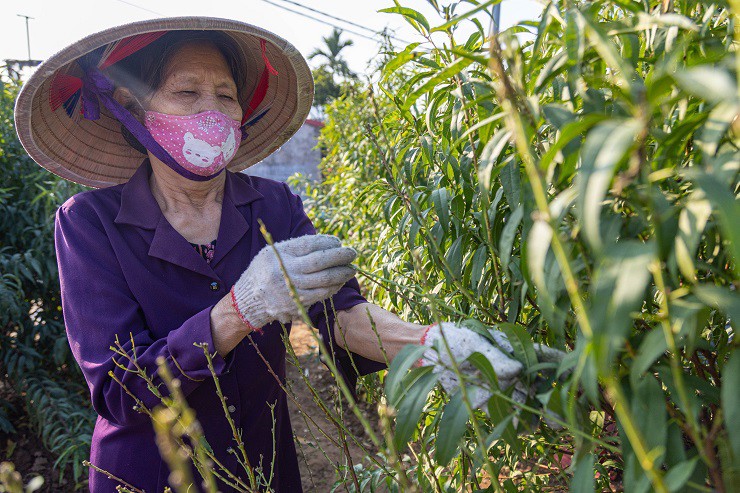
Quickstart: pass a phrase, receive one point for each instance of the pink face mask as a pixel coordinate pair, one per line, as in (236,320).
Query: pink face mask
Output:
(203,143)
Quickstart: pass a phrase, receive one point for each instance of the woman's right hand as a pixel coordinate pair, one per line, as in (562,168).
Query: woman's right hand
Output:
(317,265)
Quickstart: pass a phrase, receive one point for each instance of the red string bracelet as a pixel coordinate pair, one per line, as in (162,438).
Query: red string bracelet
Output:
(236,308)
(422,341)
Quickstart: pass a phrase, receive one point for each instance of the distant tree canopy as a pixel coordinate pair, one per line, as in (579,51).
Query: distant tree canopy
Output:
(331,52)
(326,89)
(330,76)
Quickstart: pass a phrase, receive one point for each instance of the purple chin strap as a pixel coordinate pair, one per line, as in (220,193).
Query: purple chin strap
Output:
(97,88)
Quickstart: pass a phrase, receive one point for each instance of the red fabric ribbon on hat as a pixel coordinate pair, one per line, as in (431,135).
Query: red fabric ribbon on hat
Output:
(259,93)
(66,89)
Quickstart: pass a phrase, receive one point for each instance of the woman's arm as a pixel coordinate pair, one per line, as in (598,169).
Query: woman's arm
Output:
(227,328)
(354,331)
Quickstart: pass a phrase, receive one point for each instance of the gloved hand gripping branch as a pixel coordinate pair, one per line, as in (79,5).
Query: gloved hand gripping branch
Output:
(462,343)
(318,266)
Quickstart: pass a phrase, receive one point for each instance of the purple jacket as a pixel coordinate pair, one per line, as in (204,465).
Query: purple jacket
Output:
(123,268)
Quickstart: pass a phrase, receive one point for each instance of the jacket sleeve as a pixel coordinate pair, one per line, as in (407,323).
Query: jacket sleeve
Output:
(350,365)
(98,305)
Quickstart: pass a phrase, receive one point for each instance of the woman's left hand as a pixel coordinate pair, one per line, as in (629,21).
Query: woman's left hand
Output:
(463,342)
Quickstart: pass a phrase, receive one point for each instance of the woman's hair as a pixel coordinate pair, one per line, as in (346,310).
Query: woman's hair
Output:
(143,72)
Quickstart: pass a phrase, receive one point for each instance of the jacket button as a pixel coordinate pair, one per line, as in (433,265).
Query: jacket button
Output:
(231,409)
(215,286)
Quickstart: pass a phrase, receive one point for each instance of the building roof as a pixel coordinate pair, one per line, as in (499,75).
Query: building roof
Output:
(315,123)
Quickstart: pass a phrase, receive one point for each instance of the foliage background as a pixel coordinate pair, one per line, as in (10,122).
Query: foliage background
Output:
(577,186)
(34,351)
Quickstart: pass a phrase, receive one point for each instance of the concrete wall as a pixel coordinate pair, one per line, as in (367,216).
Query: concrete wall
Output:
(296,155)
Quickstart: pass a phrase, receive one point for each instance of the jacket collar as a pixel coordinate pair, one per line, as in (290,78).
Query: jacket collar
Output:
(140,208)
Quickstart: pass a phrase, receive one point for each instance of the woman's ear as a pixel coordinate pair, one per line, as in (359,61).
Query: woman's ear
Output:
(126,98)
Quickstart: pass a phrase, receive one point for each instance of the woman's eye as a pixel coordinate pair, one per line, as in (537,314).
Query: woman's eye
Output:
(186,92)
(227,96)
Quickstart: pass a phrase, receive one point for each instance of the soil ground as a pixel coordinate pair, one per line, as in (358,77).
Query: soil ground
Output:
(318,457)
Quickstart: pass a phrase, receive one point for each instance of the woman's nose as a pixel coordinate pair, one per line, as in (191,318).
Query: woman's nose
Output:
(207,102)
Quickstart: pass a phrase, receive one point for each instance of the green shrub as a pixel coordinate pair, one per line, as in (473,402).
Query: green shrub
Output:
(576,186)
(34,352)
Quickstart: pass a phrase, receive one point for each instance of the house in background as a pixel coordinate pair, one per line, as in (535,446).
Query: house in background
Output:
(298,155)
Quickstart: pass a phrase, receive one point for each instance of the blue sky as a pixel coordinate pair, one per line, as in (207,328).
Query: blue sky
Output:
(57,24)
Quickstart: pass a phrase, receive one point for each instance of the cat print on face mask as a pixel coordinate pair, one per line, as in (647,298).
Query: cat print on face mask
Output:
(229,146)
(199,152)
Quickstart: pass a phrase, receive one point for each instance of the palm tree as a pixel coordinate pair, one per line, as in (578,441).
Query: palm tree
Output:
(334,60)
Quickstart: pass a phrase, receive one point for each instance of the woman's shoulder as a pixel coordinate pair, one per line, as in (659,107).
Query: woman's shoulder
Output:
(97,205)
(270,189)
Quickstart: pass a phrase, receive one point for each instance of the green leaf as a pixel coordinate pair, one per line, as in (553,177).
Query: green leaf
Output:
(712,84)
(605,147)
(441,200)
(720,297)
(719,120)
(649,404)
(538,244)
(485,367)
(456,19)
(679,474)
(480,259)
(412,16)
(558,114)
(412,404)
(727,206)
(400,59)
(575,37)
(454,257)
(731,400)
(490,156)
(427,148)
(648,21)
(509,234)
(691,223)
(503,426)
(607,49)
(521,341)
(583,476)
(405,359)
(617,290)
(501,413)
(551,69)
(451,429)
(652,347)
(569,132)
(451,70)
(511,183)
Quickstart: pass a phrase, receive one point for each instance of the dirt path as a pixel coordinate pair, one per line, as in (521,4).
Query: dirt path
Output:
(319,458)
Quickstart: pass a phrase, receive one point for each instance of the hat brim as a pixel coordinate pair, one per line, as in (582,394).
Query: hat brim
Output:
(95,153)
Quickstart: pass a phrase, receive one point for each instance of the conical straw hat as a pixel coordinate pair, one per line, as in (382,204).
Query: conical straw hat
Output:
(95,153)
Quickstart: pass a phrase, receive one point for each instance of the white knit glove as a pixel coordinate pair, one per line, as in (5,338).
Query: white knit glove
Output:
(318,266)
(462,343)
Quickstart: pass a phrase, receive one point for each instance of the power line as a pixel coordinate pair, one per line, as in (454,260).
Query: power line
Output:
(320,20)
(331,16)
(131,4)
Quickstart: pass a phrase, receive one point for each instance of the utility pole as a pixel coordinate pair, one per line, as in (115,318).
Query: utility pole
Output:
(15,67)
(28,34)
(496,17)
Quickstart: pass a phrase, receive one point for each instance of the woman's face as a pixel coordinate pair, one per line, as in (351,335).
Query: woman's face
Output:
(196,79)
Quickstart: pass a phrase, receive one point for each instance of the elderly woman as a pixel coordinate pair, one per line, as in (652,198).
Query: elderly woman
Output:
(167,251)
